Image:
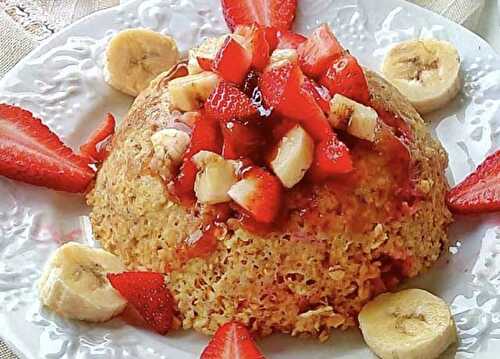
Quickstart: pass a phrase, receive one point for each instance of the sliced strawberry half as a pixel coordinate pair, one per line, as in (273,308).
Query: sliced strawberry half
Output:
(259,193)
(331,158)
(148,294)
(480,191)
(227,102)
(272,13)
(289,40)
(346,77)
(31,153)
(232,341)
(205,136)
(282,89)
(95,148)
(257,39)
(232,61)
(320,49)
(320,94)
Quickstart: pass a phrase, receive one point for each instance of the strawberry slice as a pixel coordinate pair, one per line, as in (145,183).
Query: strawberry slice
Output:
(289,40)
(331,158)
(201,247)
(232,61)
(320,49)
(31,153)
(257,38)
(95,148)
(205,136)
(346,77)
(282,89)
(320,94)
(259,193)
(273,13)
(232,341)
(205,64)
(480,191)
(241,140)
(227,102)
(271,38)
(148,295)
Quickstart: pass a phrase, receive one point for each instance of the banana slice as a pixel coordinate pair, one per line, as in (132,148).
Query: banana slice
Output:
(189,92)
(75,286)
(134,57)
(425,71)
(411,324)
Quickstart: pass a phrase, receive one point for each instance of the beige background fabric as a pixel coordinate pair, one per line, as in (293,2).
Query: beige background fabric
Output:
(24,23)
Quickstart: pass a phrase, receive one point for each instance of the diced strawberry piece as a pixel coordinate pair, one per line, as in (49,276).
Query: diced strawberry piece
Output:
(205,136)
(95,148)
(232,61)
(282,127)
(201,247)
(320,94)
(331,158)
(290,40)
(272,13)
(257,39)
(271,38)
(259,193)
(480,191)
(241,140)
(346,77)
(282,89)
(148,294)
(205,64)
(31,153)
(232,341)
(227,102)
(320,49)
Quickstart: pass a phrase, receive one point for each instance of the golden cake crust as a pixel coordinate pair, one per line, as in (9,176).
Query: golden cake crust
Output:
(312,276)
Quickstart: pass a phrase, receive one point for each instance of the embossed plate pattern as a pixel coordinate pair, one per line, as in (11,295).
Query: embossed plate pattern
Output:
(62,83)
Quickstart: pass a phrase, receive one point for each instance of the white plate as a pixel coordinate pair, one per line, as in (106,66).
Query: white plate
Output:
(62,82)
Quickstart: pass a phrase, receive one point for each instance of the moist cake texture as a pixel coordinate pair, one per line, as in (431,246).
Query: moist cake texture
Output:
(343,242)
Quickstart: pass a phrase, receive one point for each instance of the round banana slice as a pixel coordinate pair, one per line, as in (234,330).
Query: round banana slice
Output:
(425,71)
(134,57)
(411,324)
(74,283)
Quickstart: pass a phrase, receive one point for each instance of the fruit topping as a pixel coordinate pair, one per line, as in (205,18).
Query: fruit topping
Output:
(201,244)
(357,119)
(480,191)
(346,77)
(148,294)
(227,103)
(280,57)
(242,140)
(320,94)
(188,93)
(205,137)
(232,341)
(331,158)
(31,153)
(96,146)
(169,146)
(318,52)
(215,177)
(293,156)
(259,193)
(282,89)
(206,51)
(272,13)
(289,40)
(256,37)
(233,61)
